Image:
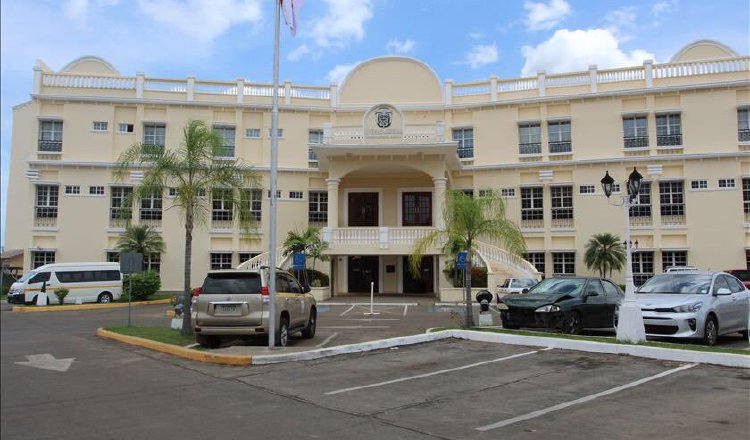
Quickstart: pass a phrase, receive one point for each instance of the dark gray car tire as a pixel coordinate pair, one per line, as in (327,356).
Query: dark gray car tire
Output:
(312,323)
(711,331)
(282,335)
(572,323)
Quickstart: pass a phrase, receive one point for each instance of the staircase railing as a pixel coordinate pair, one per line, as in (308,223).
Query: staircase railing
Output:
(491,253)
(261,260)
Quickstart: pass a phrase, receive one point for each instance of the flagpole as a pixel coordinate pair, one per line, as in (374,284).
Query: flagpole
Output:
(274,171)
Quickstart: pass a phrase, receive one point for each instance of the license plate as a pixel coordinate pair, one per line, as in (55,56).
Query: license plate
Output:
(227,309)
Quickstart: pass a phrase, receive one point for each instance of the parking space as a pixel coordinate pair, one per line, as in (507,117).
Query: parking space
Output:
(459,389)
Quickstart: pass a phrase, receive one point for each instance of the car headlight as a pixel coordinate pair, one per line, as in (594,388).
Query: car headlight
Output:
(688,307)
(502,306)
(550,308)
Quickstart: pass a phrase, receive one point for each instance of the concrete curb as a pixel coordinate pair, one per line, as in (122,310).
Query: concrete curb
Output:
(96,306)
(185,353)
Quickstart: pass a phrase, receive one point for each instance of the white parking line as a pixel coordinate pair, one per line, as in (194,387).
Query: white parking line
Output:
(327,340)
(348,310)
(372,319)
(357,326)
(406,308)
(434,373)
(585,399)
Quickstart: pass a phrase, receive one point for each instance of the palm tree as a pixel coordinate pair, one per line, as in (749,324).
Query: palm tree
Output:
(141,239)
(192,170)
(468,219)
(308,242)
(604,253)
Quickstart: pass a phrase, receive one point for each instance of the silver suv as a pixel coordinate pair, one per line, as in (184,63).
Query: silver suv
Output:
(236,303)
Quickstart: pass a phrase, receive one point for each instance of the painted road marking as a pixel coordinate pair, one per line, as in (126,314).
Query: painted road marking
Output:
(372,319)
(348,310)
(585,399)
(406,308)
(327,340)
(434,373)
(47,362)
(397,304)
(357,326)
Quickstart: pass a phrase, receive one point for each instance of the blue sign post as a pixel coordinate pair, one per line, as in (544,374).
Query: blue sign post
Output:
(298,261)
(461,260)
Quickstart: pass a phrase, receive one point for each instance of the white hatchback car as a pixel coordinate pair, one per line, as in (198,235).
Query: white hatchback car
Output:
(694,304)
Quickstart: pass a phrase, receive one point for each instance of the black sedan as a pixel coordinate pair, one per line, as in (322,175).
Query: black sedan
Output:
(567,304)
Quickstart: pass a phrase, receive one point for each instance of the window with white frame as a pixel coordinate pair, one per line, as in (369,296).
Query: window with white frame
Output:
(727,183)
(564,263)
(743,125)
(532,204)
(314,137)
(120,202)
(641,205)
(245,256)
(279,132)
(699,184)
(154,136)
(672,198)
(465,139)
(530,138)
(296,195)
(253,133)
(586,189)
(668,130)
(278,193)
(40,258)
(221,205)
(72,190)
(113,256)
(562,202)
(635,131)
(317,211)
(484,192)
(226,134)
(559,137)
(537,259)
(96,190)
(221,260)
(152,262)
(100,126)
(508,192)
(151,207)
(251,204)
(46,201)
(643,266)
(746,195)
(124,127)
(673,259)
(50,136)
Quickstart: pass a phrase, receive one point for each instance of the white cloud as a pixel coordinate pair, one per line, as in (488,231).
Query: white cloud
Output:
(404,47)
(542,16)
(338,73)
(78,10)
(202,20)
(569,51)
(481,55)
(344,20)
(663,6)
(621,22)
(298,53)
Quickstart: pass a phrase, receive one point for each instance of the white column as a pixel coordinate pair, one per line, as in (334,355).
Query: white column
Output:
(592,78)
(493,88)
(37,80)
(287,92)
(439,202)
(140,79)
(333,203)
(648,67)
(541,82)
(240,90)
(448,91)
(334,94)
(190,87)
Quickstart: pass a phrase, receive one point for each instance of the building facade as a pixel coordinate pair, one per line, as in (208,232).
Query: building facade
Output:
(370,162)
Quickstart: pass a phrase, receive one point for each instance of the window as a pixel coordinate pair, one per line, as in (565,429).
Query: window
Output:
(485,192)
(221,205)
(587,189)
(227,141)
(532,206)
(610,289)
(671,198)
(278,193)
(72,190)
(743,125)
(123,127)
(153,137)
(564,263)
(317,211)
(616,187)
(221,260)
(562,202)
(251,204)
(40,277)
(279,132)
(96,190)
(673,259)
(726,183)
(641,206)
(468,192)
(87,276)
(699,184)
(635,131)
(50,136)
(252,133)
(120,202)
(643,267)
(100,126)
(530,138)
(746,194)
(297,195)
(559,137)
(313,137)
(508,192)
(152,262)
(151,207)
(40,258)
(46,201)
(113,257)
(668,130)
(537,259)
(465,139)
(245,256)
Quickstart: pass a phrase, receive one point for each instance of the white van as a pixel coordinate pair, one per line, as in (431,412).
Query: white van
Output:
(89,282)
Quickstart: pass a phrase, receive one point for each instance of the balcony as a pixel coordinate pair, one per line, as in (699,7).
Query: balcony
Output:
(375,240)
(673,220)
(669,140)
(636,142)
(45,218)
(224,152)
(530,148)
(563,223)
(222,224)
(743,135)
(532,223)
(560,147)
(641,221)
(48,146)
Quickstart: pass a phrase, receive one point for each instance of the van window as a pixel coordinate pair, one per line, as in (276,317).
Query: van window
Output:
(40,278)
(231,284)
(87,276)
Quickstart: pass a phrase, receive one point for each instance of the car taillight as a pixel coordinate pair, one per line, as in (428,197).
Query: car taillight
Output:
(264,295)
(196,292)
(264,291)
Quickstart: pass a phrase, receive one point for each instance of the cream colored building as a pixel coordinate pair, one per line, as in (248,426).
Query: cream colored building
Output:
(370,160)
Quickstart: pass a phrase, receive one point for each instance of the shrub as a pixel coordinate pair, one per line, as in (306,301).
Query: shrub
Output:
(318,278)
(61,293)
(145,284)
(478,276)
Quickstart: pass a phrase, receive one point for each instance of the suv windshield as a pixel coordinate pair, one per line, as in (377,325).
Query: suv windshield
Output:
(231,284)
(683,283)
(559,286)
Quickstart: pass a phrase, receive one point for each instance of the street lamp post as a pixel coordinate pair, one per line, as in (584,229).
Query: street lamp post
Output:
(630,320)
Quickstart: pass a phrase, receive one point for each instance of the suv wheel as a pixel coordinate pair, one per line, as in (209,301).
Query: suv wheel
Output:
(309,331)
(282,335)
(208,341)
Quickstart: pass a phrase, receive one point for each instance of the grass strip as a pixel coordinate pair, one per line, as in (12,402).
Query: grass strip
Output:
(158,334)
(124,297)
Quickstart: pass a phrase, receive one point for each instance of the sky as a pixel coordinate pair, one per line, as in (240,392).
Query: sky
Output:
(463,40)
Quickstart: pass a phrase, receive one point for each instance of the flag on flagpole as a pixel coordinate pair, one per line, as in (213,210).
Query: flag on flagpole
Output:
(291,13)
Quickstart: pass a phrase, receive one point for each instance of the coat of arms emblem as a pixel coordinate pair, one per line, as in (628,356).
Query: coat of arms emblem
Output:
(383,117)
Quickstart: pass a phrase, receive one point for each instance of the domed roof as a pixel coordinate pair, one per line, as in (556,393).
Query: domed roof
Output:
(90,64)
(392,79)
(703,50)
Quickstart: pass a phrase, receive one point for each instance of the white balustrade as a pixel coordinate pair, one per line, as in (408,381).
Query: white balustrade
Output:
(216,88)
(516,85)
(568,80)
(262,260)
(88,82)
(165,85)
(492,253)
(262,90)
(471,89)
(311,93)
(381,237)
(619,75)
